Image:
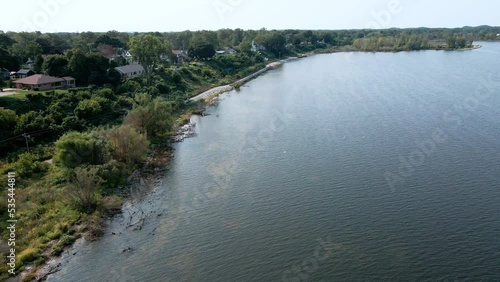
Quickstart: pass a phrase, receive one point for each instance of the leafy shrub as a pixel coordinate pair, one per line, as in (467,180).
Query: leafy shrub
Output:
(128,145)
(28,165)
(8,119)
(75,149)
(83,189)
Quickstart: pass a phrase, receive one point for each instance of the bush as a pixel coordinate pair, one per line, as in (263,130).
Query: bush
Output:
(28,255)
(106,93)
(8,119)
(128,145)
(113,173)
(150,117)
(75,149)
(28,165)
(83,189)
(34,121)
(90,109)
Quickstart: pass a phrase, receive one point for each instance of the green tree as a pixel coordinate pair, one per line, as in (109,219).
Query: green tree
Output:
(202,51)
(38,64)
(92,109)
(75,149)
(26,50)
(274,42)
(128,145)
(55,65)
(147,49)
(87,67)
(245,47)
(108,40)
(34,121)
(84,41)
(452,42)
(150,118)
(2,82)
(28,165)
(84,187)
(6,41)
(8,119)
(7,60)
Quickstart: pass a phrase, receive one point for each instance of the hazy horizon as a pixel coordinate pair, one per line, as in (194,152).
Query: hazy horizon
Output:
(154,15)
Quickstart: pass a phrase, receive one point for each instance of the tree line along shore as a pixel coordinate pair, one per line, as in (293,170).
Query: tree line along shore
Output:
(74,146)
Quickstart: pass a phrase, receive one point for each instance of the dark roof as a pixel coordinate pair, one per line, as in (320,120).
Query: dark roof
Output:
(39,79)
(25,71)
(130,69)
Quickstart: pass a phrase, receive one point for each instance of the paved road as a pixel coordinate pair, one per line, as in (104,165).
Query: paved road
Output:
(9,92)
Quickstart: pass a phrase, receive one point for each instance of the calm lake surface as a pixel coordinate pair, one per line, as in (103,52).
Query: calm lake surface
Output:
(339,167)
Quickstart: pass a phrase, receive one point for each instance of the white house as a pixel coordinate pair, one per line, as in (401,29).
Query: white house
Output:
(257,47)
(130,71)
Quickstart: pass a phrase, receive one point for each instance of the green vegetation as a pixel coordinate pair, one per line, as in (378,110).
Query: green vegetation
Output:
(147,50)
(72,149)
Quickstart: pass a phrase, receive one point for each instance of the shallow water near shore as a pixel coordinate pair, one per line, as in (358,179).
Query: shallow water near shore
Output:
(347,166)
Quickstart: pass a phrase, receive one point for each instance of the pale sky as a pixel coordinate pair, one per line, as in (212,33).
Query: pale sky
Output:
(157,15)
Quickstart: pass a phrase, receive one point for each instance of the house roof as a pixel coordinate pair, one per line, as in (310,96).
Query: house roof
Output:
(38,79)
(68,78)
(107,51)
(124,53)
(24,71)
(130,69)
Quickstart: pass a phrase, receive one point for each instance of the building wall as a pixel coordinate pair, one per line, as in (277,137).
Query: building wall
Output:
(47,86)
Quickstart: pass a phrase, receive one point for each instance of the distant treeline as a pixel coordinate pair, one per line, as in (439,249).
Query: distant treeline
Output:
(17,48)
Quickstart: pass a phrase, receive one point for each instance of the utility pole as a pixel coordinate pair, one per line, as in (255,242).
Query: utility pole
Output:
(26,136)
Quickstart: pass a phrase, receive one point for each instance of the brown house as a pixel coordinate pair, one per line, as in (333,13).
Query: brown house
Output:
(44,82)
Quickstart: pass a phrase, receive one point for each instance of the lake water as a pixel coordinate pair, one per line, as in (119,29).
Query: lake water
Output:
(339,167)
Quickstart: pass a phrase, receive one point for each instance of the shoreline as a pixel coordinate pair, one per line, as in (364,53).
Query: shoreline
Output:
(152,170)
(216,91)
(219,90)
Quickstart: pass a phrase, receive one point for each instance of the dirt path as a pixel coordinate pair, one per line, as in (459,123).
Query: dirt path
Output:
(8,92)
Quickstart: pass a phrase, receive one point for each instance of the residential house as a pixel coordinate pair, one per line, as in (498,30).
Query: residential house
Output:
(130,71)
(230,51)
(44,82)
(256,47)
(226,51)
(70,82)
(5,73)
(125,54)
(29,63)
(181,56)
(108,51)
(22,73)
